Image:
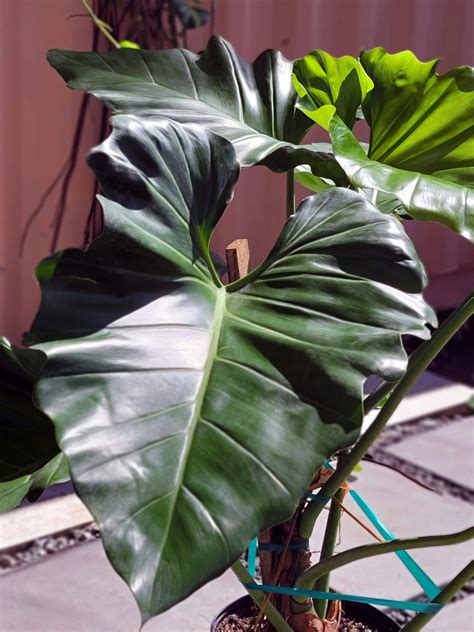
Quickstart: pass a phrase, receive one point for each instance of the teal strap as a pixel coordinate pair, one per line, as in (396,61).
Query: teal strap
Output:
(318,498)
(416,606)
(252,557)
(428,585)
(295,546)
(423,580)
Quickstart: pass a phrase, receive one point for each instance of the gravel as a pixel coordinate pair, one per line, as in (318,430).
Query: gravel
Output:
(40,549)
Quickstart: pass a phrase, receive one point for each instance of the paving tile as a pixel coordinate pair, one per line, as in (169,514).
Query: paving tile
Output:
(445,451)
(408,511)
(458,617)
(77,591)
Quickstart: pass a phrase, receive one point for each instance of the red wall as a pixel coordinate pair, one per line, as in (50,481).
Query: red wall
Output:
(37,117)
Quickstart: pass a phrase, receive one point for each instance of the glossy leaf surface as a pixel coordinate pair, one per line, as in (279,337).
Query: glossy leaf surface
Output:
(304,176)
(314,183)
(194,415)
(424,197)
(328,85)
(252,105)
(420,121)
(27,439)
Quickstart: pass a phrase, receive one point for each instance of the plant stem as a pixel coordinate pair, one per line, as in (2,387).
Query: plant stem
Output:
(271,612)
(380,392)
(420,359)
(448,592)
(101,25)
(385,388)
(309,577)
(328,546)
(290,192)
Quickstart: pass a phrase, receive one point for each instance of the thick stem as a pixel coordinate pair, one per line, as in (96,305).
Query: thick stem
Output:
(420,360)
(421,619)
(309,577)
(290,192)
(271,612)
(372,400)
(328,546)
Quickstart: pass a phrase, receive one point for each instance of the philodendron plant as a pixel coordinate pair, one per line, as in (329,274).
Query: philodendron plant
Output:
(195,415)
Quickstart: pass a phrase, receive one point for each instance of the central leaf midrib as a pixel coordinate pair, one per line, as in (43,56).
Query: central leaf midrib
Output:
(215,329)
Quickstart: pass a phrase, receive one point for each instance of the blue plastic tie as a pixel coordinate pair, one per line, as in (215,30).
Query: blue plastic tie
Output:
(296,546)
(423,580)
(252,557)
(428,585)
(416,606)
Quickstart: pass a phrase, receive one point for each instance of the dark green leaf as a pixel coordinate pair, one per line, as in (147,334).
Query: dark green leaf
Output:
(425,198)
(420,121)
(13,492)
(252,105)
(304,176)
(194,415)
(27,439)
(327,85)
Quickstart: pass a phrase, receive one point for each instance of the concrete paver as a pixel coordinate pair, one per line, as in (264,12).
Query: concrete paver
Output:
(77,591)
(458,617)
(407,510)
(443,450)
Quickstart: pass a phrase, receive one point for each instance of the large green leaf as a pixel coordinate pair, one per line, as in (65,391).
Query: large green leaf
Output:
(31,486)
(252,105)
(194,415)
(425,198)
(27,439)
(420,121)
(327,85)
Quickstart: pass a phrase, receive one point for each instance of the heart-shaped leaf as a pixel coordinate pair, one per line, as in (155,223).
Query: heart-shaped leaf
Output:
(425,198)
(27,439)
(194,415)
(330,85)
(420,121)
(252,105)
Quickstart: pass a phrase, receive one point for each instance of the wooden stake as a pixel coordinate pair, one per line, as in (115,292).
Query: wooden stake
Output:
(237,256)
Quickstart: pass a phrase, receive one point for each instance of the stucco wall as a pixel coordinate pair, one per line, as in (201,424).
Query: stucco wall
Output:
(37,117)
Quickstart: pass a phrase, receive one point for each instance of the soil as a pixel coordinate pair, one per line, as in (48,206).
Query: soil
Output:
(234,623)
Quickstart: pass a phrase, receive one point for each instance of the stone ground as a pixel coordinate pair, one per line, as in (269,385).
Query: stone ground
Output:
(77,591)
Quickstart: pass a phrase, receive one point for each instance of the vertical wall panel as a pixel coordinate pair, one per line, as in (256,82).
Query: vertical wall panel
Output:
(37,117)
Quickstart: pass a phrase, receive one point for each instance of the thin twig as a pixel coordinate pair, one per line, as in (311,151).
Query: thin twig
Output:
(371,459)
(358,520)
(103,27)
(37,210)
(61,206)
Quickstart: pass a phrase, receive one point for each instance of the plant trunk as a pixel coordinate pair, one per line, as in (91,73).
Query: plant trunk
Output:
(285,572)
(294,563)
(310,622)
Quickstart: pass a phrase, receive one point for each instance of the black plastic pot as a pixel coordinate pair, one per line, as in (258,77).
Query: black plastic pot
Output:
(362,612)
